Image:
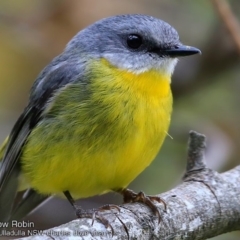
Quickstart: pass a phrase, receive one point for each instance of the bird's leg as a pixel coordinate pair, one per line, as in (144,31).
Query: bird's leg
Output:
(130,197)
(70,199)
(91,213)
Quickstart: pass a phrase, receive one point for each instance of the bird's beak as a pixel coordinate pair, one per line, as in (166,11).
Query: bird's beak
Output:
(181,51)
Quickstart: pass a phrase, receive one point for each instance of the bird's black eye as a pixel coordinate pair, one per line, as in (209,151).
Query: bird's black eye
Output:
(134,41)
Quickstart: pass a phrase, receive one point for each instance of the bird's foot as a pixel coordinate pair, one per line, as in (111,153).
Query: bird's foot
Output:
(91,213)
(94,214)
(131,197)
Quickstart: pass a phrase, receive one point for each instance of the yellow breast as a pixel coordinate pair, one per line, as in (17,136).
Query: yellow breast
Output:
(147,111)
(104,141)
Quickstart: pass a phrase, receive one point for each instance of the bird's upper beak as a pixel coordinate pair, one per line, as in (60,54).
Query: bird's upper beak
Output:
(181,51)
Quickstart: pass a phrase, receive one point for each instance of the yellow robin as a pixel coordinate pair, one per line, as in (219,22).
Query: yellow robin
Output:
(97,115)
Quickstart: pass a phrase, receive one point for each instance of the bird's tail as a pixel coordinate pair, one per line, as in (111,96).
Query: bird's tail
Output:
(30,200)
(7,191)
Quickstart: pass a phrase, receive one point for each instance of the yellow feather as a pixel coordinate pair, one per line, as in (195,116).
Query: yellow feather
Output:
(103,141)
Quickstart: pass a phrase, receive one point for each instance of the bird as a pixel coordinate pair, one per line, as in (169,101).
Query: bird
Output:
(96,117)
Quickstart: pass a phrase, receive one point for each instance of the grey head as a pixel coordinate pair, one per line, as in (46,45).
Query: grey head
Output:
(136,43)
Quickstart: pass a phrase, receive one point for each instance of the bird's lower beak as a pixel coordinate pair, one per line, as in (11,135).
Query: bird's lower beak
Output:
(181,51)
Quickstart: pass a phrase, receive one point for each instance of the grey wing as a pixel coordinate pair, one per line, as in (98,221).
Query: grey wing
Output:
(49,81)
(10,167)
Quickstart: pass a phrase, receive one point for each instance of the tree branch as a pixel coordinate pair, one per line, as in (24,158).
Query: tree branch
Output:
(205,205)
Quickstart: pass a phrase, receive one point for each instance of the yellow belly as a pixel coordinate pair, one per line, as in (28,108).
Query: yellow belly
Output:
(104,141)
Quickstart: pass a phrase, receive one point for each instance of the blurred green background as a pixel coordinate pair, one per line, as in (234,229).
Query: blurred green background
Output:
(206,88)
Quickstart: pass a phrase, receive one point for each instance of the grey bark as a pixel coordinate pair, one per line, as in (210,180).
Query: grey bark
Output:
(204,205)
